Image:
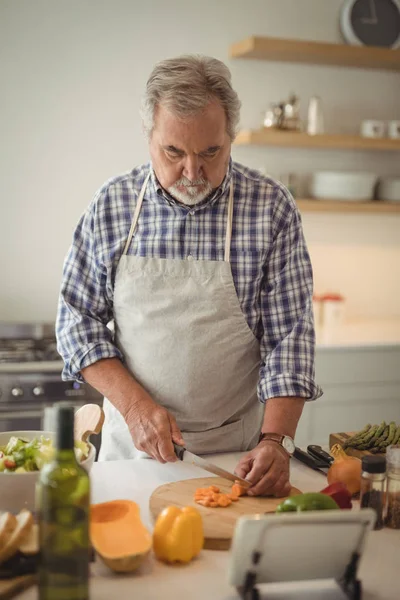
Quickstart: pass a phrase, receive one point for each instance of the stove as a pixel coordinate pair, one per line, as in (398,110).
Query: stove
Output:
(30,377)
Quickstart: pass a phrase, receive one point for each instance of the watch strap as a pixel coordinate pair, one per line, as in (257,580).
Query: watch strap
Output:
(275,437)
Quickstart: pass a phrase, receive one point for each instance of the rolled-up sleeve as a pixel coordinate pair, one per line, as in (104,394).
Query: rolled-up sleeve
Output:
(288,340)
(85,301)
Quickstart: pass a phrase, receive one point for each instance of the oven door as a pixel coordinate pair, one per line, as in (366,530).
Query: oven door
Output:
(14,420)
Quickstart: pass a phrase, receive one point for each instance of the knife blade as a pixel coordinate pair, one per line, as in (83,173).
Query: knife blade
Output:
(188,457)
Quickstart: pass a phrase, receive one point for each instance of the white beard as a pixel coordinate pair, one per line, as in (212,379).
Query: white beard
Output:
(192,194)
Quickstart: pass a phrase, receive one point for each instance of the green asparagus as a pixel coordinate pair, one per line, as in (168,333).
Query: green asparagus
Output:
(356,436)
(390,437)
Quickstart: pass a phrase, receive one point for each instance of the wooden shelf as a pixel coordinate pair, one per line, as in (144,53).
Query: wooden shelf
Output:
(318,53)
(338,206)
(294,139)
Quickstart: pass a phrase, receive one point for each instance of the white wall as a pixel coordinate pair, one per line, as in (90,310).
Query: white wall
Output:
(71,76)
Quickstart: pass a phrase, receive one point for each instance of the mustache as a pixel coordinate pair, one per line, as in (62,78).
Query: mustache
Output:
(184,181)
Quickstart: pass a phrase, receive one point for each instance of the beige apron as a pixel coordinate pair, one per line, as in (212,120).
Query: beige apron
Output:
(184,337)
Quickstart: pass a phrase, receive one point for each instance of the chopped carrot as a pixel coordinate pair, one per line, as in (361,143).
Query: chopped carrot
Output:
(224,501)
(214,488)
(214,498)
(203,502)
(238,490)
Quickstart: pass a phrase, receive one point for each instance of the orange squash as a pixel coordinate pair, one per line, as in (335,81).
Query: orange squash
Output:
(118,535)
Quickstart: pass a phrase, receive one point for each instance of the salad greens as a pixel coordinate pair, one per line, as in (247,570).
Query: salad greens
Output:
(21,455)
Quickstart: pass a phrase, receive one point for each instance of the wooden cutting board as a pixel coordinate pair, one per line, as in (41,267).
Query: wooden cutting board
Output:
(340,438)
(218,523)
(11,587)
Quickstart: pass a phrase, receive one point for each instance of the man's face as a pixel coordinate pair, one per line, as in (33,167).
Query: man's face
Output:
(191,157)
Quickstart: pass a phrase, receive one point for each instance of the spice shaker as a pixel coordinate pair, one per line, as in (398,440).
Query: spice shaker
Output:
(372,490)
(393,487)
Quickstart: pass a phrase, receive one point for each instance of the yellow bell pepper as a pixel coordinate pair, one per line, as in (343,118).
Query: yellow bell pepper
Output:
(178,534)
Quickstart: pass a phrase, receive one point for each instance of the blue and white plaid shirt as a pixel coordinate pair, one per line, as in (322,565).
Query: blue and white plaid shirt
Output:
(269,260)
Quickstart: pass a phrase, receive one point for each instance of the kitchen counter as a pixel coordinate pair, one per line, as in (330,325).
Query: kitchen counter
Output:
(206,577)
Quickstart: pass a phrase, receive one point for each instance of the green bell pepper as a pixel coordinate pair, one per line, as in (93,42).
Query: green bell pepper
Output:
(308,501)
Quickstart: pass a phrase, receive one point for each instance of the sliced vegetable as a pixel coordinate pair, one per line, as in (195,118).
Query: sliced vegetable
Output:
(238,489)
(9,463)
(212,497)
(345,469)
(339,492)
(178,534)
(308,501)
(118,535)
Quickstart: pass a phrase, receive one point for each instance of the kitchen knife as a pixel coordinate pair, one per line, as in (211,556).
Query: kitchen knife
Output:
(188,457)
(319,454)
(310,461)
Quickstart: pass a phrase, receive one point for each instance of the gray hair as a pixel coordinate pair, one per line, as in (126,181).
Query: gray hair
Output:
(185,85)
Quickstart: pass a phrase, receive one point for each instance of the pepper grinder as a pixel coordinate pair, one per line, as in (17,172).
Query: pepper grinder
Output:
(315,117)
(372,490)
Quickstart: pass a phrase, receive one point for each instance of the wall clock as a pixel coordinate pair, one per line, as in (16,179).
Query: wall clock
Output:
(371,22)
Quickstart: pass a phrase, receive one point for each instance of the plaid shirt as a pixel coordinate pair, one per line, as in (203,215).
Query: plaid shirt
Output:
(269,260)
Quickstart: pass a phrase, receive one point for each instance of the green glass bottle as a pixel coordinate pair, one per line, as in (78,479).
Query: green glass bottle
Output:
(63,501)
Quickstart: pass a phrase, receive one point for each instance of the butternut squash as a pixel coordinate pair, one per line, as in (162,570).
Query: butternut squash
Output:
(118,535)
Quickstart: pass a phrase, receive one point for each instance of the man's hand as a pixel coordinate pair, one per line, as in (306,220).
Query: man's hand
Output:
(266,467)
(153,428)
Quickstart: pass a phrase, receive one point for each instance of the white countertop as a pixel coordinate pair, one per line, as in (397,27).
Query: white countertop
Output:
(206,577)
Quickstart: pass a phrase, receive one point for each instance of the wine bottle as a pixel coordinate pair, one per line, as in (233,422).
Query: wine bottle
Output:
(63,501)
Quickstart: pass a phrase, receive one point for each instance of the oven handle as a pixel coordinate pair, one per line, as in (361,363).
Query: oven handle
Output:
(29,414)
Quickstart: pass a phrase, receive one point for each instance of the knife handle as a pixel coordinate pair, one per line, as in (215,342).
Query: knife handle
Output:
(308,460)
(319,454)
(179,450)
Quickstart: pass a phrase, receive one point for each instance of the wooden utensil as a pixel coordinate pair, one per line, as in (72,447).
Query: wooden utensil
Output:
(218,523)
(340,438)
(11,587)
(89,420)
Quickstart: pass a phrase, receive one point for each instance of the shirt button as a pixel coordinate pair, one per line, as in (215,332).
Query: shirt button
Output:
(190,257)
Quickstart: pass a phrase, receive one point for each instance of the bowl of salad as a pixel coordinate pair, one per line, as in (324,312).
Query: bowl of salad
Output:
(22,455)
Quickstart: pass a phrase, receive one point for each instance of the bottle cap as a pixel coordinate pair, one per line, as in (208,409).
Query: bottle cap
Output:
(374,464)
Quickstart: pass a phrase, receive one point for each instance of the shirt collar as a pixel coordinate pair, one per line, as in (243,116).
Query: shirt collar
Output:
(161,193)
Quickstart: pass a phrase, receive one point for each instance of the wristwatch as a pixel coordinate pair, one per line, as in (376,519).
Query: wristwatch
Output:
(285,441)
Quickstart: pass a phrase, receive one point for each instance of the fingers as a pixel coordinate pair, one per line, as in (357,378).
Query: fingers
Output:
(175,431)
(270,472)
(244,466)
(265,486)
(262,465)
(282,487)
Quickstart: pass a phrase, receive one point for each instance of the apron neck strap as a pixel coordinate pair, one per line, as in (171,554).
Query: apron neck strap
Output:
(136,214)
(229,220)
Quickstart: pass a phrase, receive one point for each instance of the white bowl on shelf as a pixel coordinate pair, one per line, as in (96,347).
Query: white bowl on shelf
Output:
(389,189)
(17,490)
(343,185)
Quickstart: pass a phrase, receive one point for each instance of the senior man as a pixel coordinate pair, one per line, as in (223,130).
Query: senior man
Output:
(201,265)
